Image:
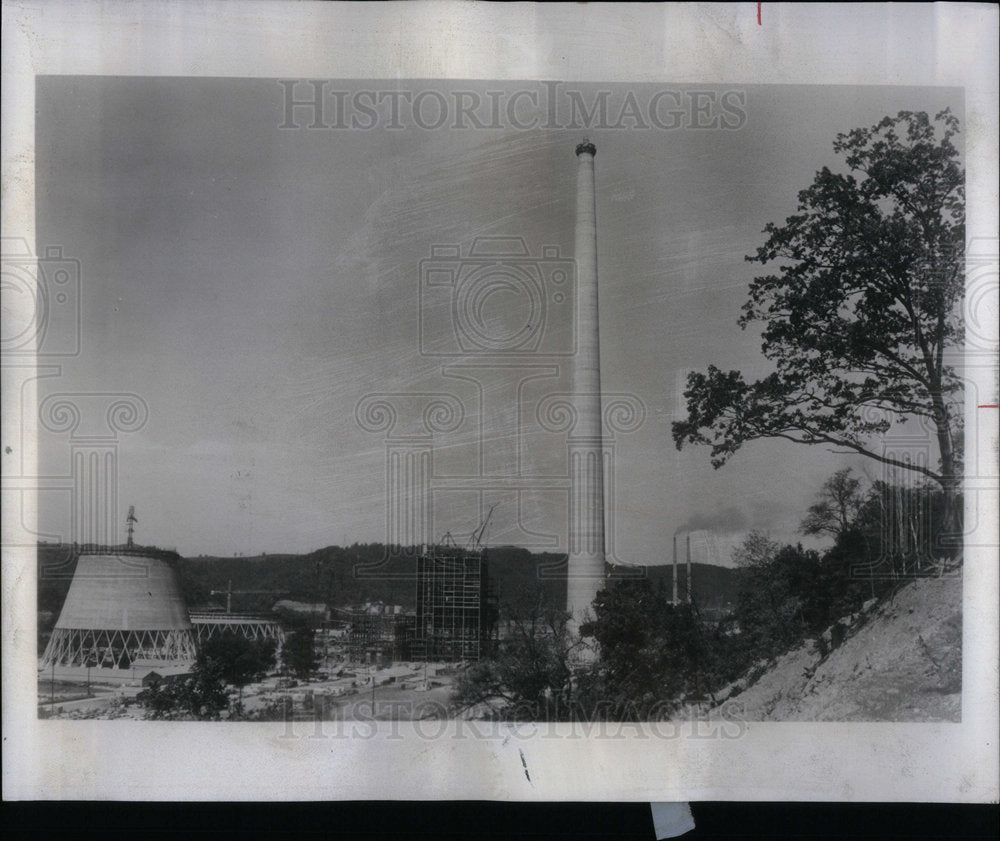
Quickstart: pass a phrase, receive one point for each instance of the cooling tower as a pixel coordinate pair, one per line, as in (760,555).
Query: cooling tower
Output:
(123,614)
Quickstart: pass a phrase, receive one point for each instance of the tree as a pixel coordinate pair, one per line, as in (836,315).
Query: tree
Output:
(782,594)
(298,654)
(238,660)
(652,653)
(530,676)
(200,695)
(901,526)
(228,659)
(837,506)
(861,312)
(756,549)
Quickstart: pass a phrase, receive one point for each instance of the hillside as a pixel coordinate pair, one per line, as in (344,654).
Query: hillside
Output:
(900,660)
(713,588)
(354,574)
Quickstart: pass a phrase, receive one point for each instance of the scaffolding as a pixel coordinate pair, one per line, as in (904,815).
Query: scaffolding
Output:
(380,636)
(457,612)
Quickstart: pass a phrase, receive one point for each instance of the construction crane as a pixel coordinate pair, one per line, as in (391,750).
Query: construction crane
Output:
(131,520)
(230,592)
(476,540)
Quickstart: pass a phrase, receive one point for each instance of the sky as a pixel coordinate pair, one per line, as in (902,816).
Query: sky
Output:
(253,283)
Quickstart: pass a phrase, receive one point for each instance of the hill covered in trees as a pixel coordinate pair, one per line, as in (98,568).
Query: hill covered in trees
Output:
(339,575)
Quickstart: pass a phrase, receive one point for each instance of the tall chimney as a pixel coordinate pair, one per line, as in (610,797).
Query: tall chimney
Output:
(674,600)
(689,569)
(586,447)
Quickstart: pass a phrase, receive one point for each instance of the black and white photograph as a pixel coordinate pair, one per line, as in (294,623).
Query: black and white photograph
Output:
(629,410)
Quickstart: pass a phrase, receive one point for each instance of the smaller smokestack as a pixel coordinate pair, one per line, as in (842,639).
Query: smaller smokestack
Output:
(689,569)
(674,601)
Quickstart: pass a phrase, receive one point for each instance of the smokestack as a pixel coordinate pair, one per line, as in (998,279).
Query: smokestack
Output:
(689,569)
(674,600)
(586,447)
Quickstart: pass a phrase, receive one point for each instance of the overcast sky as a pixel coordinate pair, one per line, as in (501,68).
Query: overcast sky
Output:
(253,283)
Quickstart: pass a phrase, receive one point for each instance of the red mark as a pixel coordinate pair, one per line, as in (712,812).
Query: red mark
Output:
(758,14)
(990,406)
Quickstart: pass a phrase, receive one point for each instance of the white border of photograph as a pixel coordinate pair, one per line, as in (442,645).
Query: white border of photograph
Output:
(822,44)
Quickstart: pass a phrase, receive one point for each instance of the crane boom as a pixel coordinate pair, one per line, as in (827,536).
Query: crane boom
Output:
(477,535)
(229,592)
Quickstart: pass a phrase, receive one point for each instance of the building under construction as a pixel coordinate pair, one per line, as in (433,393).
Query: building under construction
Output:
(380,636)
(456,606)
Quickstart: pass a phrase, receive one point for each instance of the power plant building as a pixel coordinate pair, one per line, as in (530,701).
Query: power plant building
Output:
(457,611)
(381,636)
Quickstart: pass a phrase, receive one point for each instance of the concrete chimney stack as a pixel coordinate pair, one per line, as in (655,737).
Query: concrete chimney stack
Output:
(688,599)
(586,446)
(674,599)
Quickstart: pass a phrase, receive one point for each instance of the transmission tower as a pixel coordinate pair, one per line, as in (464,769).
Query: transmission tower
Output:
(131,520)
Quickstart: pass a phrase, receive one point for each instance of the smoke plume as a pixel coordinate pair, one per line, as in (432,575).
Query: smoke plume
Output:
(722,521)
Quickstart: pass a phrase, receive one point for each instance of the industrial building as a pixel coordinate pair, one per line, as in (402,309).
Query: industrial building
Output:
(457,611)
(210,621)
(380,636)
(253,626)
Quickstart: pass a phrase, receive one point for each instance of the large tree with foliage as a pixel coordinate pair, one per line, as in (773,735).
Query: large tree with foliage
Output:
(836,506)
(237,659)
(298,654)
(652,654)
(200,695)
(529,676)
(783,593)
(227,659)
(861,311)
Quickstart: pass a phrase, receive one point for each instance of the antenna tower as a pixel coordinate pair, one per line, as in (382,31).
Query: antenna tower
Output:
(131,520)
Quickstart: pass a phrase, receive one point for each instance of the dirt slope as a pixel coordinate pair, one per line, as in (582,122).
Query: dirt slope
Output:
(901,660)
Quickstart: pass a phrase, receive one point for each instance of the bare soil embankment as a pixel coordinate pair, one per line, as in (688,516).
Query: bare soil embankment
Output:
(899,660)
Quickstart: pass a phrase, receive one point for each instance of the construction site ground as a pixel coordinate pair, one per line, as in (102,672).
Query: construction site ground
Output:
(401,692)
